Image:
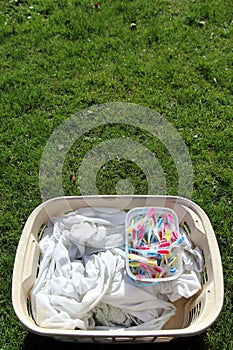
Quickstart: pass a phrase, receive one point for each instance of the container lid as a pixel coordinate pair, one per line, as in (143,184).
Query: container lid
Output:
(152,245)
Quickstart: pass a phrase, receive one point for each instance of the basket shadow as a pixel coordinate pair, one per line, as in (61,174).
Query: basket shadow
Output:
(35,342)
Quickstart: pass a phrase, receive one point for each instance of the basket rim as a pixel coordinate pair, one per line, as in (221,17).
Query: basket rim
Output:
(71,200)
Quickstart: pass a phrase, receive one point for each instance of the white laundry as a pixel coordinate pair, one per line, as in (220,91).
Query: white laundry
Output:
(82,281)
(90,233)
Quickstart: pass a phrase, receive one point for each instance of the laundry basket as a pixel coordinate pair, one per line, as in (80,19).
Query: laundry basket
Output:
(193,315)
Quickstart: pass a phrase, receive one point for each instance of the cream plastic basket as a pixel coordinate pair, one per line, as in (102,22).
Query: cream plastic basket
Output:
(193,315)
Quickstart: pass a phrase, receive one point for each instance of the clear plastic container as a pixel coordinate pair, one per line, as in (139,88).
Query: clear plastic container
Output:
(152,245)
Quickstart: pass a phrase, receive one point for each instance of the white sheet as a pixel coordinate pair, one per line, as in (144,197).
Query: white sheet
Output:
(82,277)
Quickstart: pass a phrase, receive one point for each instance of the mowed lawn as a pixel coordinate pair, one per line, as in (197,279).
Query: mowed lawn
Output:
(58,58)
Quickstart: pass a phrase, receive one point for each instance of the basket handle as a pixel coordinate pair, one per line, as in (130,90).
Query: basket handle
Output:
(30,266)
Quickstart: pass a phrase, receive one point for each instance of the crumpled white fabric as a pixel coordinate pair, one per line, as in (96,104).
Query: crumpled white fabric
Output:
(99,229)
(82,278)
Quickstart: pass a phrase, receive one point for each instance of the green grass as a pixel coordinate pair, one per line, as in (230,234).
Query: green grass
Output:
(60,57)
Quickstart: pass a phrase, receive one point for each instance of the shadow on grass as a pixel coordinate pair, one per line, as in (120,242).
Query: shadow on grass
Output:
(35,342)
